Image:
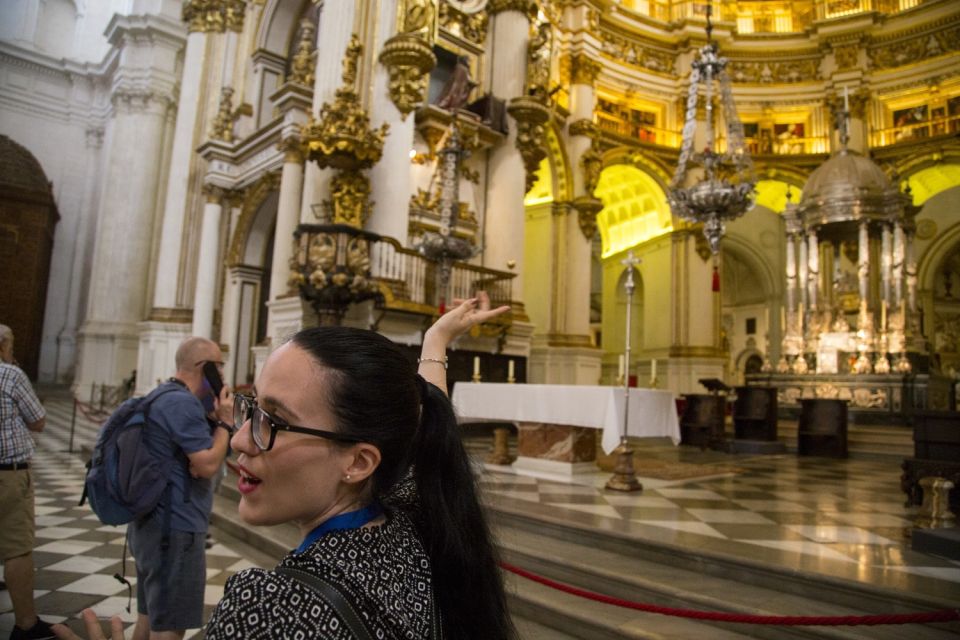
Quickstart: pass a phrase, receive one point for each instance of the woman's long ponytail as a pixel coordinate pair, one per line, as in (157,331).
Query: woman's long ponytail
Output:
(467,579)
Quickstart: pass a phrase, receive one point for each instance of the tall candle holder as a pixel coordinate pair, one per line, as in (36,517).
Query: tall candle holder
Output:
(624,476)
(882,364)
(501,435)
(476,377)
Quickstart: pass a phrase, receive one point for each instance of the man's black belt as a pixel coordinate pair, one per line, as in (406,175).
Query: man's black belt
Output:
(14,466)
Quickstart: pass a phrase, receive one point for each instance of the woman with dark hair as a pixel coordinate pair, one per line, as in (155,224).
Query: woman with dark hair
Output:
(395,544)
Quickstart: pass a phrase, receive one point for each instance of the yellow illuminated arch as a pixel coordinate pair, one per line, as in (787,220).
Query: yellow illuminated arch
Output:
(772,194)
(542,190)
(928,182)
(635,208)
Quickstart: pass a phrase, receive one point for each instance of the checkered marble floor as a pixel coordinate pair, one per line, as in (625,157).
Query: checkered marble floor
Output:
(843,518)
(76,556)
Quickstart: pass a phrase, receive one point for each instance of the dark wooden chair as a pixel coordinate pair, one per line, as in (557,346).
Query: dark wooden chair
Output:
(755,414)
(822,430)
(936,453)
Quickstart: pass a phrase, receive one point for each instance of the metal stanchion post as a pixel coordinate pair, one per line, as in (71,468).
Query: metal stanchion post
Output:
(624,476)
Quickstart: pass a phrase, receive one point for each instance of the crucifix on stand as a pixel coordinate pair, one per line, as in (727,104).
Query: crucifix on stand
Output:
(624,476)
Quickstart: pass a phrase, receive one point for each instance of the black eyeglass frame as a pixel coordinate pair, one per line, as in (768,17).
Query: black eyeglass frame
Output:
(246,408)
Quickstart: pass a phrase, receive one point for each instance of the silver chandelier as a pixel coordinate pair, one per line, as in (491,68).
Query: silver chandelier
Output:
(711,187)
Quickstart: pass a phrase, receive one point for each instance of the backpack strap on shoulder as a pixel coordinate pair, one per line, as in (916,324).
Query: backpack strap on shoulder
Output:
(332,596)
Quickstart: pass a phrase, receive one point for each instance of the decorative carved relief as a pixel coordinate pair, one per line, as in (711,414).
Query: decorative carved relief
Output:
(214,16)
(846,56)
(587,209)
(539,53)
(582,127)
(775,71)
(583,69)
(637,54)
(887,54)
(858,101)
(527,7)
(531,116)
(222,127)
(408,58)
(469,25)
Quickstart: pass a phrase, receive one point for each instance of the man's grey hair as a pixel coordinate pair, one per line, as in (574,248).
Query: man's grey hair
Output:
(6,333)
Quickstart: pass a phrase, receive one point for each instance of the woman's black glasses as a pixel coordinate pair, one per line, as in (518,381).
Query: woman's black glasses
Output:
(264,427)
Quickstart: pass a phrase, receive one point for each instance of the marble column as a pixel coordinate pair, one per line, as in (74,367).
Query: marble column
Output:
(184,143)
(142,89)
(390,179)
(206,286)
(336,25)
(899,255)
(503,239)
(863,263)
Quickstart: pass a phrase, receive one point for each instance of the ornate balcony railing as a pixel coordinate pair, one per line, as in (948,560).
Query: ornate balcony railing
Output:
(338,265)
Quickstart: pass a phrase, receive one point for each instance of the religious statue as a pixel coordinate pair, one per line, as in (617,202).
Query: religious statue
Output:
(456,91)
(538,62)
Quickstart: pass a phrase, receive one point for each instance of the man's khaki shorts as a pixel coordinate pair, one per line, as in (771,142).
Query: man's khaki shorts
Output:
(16,513)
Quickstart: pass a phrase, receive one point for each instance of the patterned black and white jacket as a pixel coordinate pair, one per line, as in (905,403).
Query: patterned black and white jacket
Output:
(383,571)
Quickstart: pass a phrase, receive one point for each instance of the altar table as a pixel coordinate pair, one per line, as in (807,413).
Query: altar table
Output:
(653,412)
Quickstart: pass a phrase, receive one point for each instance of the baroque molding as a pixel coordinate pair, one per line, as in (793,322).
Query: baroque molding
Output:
(137,100)
(292,149)
(583,127)
(408,58)
(526,7)
(846,56)
(887,55)
(472,27)
(775,71)
(637,54)
(531,117)
(214,16)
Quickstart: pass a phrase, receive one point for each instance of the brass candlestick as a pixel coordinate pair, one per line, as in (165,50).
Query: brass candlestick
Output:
(501,438)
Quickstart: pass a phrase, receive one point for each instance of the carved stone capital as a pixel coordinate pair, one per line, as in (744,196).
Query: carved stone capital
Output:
(292,148)
(408,59)
(582,127)
(587,209)
(213,194)
(583,69)
(94,137)
(526,7)
(531,116)
(139,100)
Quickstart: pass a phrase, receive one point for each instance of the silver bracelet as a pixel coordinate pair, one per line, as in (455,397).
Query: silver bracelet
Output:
(437,360)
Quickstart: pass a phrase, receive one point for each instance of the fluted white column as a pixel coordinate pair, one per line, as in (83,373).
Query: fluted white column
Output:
(184,143)
(791,273)
(504,215)
(899,255)
(204,295)
(804,275)
(288,215)
(886,262)
(863,263)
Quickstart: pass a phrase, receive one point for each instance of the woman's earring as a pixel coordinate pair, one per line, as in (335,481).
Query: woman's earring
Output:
(347,477)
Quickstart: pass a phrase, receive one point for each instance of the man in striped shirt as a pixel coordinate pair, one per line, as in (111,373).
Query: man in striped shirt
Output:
(20,413)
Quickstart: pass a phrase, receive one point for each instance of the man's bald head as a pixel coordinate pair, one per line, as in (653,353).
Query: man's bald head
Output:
(194,350)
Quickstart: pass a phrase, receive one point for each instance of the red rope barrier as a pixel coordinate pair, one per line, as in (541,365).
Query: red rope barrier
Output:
(942,615)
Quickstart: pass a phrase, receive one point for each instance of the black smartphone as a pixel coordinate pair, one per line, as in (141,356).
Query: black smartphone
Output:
(213,378)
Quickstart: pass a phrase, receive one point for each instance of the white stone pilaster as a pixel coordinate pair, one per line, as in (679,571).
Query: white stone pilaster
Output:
(288,215)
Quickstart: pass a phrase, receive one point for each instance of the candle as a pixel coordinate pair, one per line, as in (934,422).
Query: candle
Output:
(509,369)
(883,315)
(620,365)
(800,317)
(476,365)
(846,99)
(903,313)
(783,319)
(653,369)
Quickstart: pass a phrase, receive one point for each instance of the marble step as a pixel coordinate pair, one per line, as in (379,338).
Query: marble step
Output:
(611,563)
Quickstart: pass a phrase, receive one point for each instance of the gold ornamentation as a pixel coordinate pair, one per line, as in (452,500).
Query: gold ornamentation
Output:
(342,139)
(292,149)
(351,202)
(417,17)
(531,116)
(775,71)
(858,101)
(214,16)
(304,63)
(472,27)
(408,59)
(846,56)
(583,69)
(587,209)
(583,127)
(222,127)
(637,54)
(213,193)
(526,7)
(896,53)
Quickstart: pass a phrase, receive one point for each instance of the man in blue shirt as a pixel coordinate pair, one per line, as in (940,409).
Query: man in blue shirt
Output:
(168,544)
(20,413)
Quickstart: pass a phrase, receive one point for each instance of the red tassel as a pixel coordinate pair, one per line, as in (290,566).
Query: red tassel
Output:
(716,279)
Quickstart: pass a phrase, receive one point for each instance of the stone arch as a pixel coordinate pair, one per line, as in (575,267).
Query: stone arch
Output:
(945,241)
(28,217)
(278,25)
(255,222)
(757,262)
(554,177)
(635,208)
(907,165)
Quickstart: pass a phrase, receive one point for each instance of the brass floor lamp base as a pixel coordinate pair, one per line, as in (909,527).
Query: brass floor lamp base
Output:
(624,476)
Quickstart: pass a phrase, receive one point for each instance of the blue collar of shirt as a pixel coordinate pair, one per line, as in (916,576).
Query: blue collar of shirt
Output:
(348,520)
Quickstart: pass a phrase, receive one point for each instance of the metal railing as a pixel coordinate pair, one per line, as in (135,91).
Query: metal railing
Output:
(915,131)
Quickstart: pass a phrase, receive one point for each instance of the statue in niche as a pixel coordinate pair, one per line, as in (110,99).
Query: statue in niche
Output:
(456,91)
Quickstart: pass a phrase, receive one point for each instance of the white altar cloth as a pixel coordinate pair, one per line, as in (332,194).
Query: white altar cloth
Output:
(653,412)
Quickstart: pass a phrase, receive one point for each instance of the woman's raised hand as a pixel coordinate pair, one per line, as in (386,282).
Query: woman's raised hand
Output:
(463,317)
